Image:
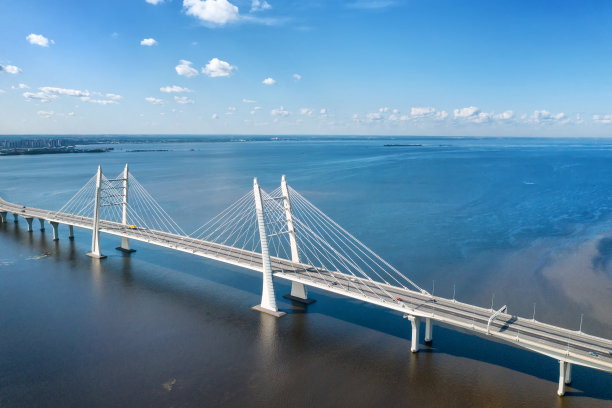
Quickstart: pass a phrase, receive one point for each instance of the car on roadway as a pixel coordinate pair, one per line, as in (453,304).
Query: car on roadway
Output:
(399,299)
(594,354)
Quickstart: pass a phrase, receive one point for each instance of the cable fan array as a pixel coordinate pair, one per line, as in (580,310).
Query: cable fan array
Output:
(327,252)
(143,212)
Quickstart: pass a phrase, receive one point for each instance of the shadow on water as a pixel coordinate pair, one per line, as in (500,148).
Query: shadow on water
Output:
(447,341)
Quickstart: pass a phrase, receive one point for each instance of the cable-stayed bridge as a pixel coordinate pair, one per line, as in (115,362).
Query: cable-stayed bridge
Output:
(282,235)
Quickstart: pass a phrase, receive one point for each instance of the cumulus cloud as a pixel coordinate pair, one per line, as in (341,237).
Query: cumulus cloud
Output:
(183,100)
(507,115)
(64,91)
(281,112)
(113,96)
(10,69)
(323,111)
(602,118)
(297,77)
(268,81)
(100,101)
(545,117)
(154,2)
(215,12)
(258,5)
(374,117)
(38,39)
(148,42)
(466,112)
(41,96)
(45,114)
(244,100)
(421,112)
(231,108)
(174,89)
(20,86)
(154,101)
(214,116)
(306,111)
(218,68)
(184,68)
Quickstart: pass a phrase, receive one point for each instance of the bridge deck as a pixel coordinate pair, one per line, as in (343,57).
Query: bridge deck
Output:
(556,342)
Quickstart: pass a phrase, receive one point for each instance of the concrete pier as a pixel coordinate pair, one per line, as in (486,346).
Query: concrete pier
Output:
(428,331)
(416,330)
(3,216)
(54,226)
(42,224)
(71,232)
(29,221)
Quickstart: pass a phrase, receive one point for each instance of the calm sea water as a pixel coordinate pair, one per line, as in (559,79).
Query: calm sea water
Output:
(513,221)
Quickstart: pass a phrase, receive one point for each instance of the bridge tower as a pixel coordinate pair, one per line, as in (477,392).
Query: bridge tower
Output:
(298,290)
(125,242)
(95,238)
(268,299)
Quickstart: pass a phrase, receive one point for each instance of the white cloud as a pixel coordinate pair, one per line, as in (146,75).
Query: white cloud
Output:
(214,116)
(470,112)
(154,101)
(20,86)
(10,69)
(38,39)
(231,108)
(507,115)
(420,112)
(248,100)
(306,111)
(41,96)
(184,68)
(218,68)
(113,96)
(441,115)
(216,12)
(545,117)
(154,2)
(148,42)
(374,117)
(603,118)
(258,5)
(323,111)
(71,114)
(64,91)
(281,111)
(183,100)
(383,110)
(101,101)
(45,114)
(297,77)
(268,81)
(174,89)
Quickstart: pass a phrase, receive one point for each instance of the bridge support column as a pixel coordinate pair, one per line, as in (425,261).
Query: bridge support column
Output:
(562,372)
(54,226)
(428,331)
(298,290)
(125,242)
(71,232)
(3,216)
(15,218)
(416,329)
(568,373)
(268,300)
(42,223)
(29,221)
(95,238)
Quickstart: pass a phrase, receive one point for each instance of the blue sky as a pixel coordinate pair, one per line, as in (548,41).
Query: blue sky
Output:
(372,67)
